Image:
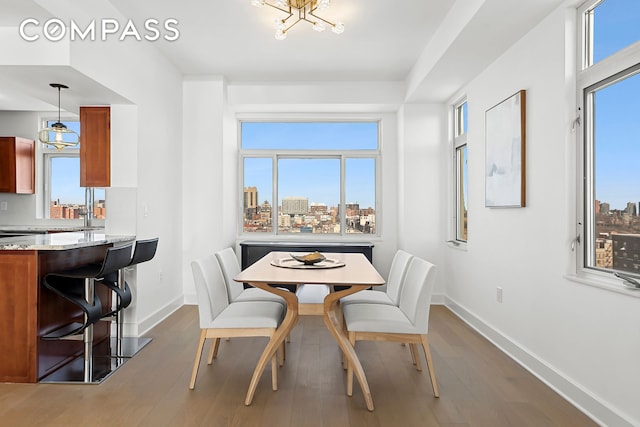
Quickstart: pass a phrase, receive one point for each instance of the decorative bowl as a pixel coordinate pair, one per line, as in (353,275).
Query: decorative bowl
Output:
(309,259)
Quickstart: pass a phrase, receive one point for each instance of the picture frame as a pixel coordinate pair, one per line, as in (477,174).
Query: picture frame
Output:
(505,154)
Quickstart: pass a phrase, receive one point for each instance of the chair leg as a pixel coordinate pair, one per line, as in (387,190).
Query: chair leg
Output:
(283,353)
(352,340)
(213,350)
(344,328)
(432,374)
(196,364)
(274,373)
(415,356)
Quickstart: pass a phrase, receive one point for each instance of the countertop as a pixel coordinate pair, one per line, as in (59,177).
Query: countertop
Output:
(44,228)
(61,241)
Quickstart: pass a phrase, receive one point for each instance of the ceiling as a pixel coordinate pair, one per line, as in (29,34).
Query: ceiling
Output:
(431,45)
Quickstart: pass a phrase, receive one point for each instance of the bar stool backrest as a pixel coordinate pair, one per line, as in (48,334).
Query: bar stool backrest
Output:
(116,258)
(144,251)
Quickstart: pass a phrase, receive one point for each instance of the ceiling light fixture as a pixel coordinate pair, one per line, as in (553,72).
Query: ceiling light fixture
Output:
(303,10)
(62,137)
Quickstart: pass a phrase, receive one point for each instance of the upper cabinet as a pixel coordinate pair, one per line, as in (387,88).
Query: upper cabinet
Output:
(17,165)
(95,146)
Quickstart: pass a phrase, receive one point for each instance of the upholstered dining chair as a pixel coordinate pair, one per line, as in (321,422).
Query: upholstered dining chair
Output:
(406,323)
(220,318)
(390,295)
(230,269)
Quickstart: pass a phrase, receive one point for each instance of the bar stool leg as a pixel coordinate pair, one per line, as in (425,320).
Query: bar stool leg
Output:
(87,334)
(119,319)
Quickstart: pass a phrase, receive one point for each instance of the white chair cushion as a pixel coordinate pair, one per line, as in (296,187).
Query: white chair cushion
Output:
(250,314)
(378,318)
(257,294)
(367,297)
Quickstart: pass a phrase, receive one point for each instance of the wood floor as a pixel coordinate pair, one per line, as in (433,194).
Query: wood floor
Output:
(479,385)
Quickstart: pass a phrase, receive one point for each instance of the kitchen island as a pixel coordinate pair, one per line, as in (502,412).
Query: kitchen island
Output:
(29,311)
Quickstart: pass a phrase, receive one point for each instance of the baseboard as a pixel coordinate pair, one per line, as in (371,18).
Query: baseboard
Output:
(145,325)
(582,399)
(438,299)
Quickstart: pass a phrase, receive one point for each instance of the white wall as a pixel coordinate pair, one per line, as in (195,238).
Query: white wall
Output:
(422,173)
(21,208)
(582,340)
(206,176)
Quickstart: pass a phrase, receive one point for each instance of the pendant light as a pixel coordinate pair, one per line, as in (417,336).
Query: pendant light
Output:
(62,136)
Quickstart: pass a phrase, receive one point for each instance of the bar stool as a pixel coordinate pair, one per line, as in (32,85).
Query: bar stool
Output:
(144,251)
(77,285)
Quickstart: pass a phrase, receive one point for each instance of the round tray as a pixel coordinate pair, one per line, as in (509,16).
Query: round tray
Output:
(292,263)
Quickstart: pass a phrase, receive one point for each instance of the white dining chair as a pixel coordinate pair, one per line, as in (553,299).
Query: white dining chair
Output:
(230,269)
(220,318)
(391,293)
(406,323)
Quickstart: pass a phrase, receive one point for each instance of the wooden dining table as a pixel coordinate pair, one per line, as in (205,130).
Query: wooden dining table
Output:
(356,274)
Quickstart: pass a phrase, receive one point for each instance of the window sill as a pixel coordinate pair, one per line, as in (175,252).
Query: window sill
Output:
(454,244)
(606,284)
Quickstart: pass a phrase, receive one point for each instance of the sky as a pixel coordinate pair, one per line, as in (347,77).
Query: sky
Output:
(617,108)
(316,179)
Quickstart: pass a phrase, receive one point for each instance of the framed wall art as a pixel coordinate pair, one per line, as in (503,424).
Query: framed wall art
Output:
(505,153)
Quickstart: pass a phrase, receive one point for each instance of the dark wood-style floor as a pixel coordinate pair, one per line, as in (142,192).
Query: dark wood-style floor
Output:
(479,385)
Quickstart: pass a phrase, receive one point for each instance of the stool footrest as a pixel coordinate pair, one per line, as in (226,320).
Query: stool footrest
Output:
(72,329)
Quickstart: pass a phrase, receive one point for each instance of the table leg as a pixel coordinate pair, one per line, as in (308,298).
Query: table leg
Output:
(334,325)
(277,339)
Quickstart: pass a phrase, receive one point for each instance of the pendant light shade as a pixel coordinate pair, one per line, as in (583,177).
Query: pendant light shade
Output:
(58,135)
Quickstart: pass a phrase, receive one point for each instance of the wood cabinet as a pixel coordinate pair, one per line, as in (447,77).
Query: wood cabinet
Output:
(95,146)
(17,165)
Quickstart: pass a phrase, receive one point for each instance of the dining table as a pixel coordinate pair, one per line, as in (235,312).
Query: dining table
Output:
(349,272)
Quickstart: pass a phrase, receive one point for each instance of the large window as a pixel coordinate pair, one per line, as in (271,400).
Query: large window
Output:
(460,178)
(309,177)
(609,95)
(63,196)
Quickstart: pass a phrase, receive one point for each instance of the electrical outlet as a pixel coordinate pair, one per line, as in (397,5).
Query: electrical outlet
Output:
(4,206)
(499,294)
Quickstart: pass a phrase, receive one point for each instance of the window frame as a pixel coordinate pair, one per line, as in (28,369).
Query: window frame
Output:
(590,78)
(342,155)
(459,142)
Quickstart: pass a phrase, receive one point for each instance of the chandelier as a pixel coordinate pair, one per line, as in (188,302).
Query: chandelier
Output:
(62,137)
(300,10)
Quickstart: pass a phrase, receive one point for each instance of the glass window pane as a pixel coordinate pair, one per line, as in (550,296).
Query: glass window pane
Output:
(461,196)
(309,136)
(616,175)
(615,26)
(99,203)
(461,119)
(308,195)
(258,197)
(360,193)
(67,197)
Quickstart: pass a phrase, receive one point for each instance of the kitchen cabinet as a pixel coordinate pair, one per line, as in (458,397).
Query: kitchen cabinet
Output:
(95,146)
(17,165)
